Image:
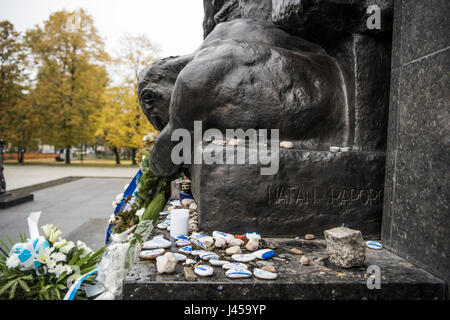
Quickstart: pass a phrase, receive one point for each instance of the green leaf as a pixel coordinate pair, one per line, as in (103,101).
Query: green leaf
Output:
(5,246)
(6,286)
(75,257)
(23,285)
(12,292)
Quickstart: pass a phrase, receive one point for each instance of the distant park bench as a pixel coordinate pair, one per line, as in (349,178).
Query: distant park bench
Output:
(27,155)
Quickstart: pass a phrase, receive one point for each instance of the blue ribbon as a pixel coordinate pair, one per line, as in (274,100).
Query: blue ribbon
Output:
(70,295)
(130,191)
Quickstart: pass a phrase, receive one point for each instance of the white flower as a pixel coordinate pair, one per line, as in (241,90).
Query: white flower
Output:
(127,208)
(13,261)
(61,243)
(44,254)
(112,218)
(140,212)
(58,256)
(66,249)
(114,204)
(51,233)
(119,197)
(84,247)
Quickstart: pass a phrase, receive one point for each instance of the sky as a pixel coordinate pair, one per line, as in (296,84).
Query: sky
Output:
(174,25)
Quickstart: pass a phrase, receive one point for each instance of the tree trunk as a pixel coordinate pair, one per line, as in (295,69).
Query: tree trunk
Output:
(68,155)
(133,156)
(116,151)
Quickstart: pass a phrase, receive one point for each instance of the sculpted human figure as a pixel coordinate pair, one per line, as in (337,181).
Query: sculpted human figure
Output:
(246,74)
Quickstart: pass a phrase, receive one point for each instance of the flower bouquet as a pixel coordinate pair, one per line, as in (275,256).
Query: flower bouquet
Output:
(44,267)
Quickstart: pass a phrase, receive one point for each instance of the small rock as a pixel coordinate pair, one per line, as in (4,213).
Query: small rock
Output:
(185,250)
(345,149)
(180,257)
(217,234)
(193,227)
(208,255)
(309,237)
(262,263)
(233,250)
(286,145)
(374,245)
(305,261)
(189,274)
(235,242)
(251,235)
(237,273)
(268,268)
(204,270)
(264,274)
(252,244)
(334,149)
(219,142)
(193,206)
(220,243)
(216,262)
(264,254)
(197,244)
(166,263)
(157,243)
(182,243)
(164,213)
(243,257)
(296,251)
(241,237)
(189,262)
(345,247)
(197,252)
(234,265)
(151,254)
(185,203)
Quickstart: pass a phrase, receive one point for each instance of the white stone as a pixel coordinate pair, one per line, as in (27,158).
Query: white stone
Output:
(219,142)
(237,273)
(204,270)
(197,252)
(251,235)
(185,203)
(344,149)
(180,257)
(286,145)
(264,254)
(217,262)
(208,255)
(157,243)
(235,242)
(374,245)
(161,226)
(193,206)
(197,244)
(252,244)
(182,243)
(234,265)
(220,243)
(151,254)
(243,257)
(217,234)
(189,262)
(164,213)
(233,250)
(185,250)
(263,274)
(166,263)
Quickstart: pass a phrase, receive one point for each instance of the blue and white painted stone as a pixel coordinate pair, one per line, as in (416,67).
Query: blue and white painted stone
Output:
(185,250)
(234,265)
(151,254)
(164,213)
(182,243)
(157,243)
(264,254)
(263,274)
(189,262)
(223,235)
(254,235)
(198,244)
(208,255)
(204,270)
(181,237)
(180,257)
(374,245)
(175,203)
(217,262)
(238,273)
(197,252)
(243,257)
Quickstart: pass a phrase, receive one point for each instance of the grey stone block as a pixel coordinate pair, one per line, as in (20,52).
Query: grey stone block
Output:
(345,247)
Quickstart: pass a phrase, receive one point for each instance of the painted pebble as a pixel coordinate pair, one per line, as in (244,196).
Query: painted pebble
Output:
(180,257)
(251,235)
(334,149)
(374,245)
(151,254)
(185,250)
(237,273)
(157,243)
(181,237)
(263,274)
(204,270)
(208,255)
(217,262)
(164,213)
(286,145)
(197,252)
(234,265)
(243,257)
(182,243)
(264,254)
(217,234)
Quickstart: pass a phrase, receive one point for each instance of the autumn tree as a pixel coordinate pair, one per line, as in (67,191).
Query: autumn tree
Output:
(17,116)
(71,77)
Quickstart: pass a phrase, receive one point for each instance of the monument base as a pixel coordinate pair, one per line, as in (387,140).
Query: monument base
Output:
(399,279)
(312,191)
(14,198)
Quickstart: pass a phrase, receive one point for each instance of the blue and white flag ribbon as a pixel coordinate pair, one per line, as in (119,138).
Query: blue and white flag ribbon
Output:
(72,292)
(130,191)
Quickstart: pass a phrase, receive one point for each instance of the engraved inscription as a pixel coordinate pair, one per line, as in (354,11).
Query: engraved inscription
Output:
(291,195)
(349,196)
